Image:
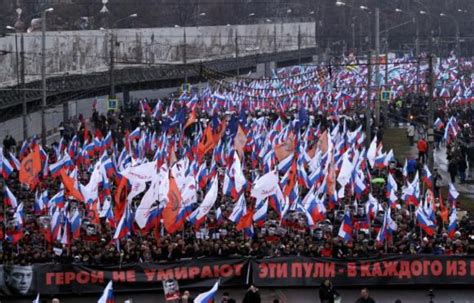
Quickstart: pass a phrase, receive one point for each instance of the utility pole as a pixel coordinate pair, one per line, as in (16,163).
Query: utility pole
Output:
(111,66)
(458,43)
(431,106)
(185,61)
(417,56)
(275,47)
(377,68)
(22,80)
(299,45)
(113,42)
(316,33)
(43,77)
(237,49)
(368,131)
(353,34)
(387,87)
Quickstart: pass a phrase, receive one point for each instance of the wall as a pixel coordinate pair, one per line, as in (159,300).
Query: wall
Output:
(76,52)
(54,116)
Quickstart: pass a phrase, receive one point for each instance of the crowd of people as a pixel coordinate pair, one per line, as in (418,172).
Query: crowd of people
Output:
(336,196)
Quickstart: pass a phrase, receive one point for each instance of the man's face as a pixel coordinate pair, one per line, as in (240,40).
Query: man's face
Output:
(364,293)
(170,286)
(20,279)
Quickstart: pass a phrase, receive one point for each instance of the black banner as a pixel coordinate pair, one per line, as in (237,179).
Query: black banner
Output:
(236,272)
(78,279)
(397,270)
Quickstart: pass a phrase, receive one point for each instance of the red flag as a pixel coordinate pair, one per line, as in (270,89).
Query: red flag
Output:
(443,210)
(172,156)
(30,168)
(120,198)
(70,189)
(206,143)
(171,211)
(246,220)
(191,119)
(291,179)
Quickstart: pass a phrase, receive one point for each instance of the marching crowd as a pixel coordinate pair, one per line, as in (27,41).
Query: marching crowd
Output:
(335,196)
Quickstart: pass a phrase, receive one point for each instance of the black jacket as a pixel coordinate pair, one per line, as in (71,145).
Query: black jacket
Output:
(252,297)
(326,294)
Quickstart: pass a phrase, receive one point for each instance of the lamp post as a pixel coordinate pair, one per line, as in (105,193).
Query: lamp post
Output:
(456,23)
(417,30)
(43,74)
(20,74)
(430,81)
(112,55)
(369,73)
(365,10)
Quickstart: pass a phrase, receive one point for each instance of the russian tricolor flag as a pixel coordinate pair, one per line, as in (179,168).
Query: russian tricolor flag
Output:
(125,225)
(55,168)
(107,295)
(41,202)
(452,194)
(452,223)
(239,209)
(9,199)
(438,124)
(208,296)
(57,200)
(260,215)
(380,161)
(5,167)
(15,161)
(108,141)
(76,224)
(135,134)
(427,179)
(345,231)
(425,222)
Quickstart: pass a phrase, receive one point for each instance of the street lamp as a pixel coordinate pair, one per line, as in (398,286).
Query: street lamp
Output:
(456,23)
(43,73)
(417,31)
(365,9)
(124,18)
(251,14)
(202,14)
(112,54)
(22,72)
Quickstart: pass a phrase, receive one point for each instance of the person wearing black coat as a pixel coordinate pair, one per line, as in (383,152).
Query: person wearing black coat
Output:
(327,293)
(252,295)
(453,170)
